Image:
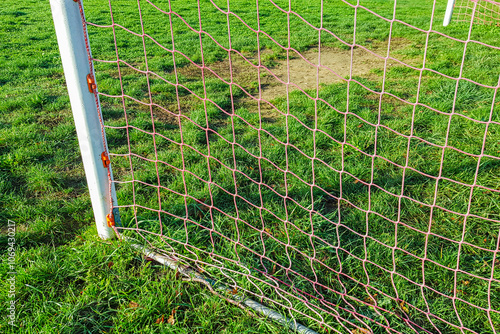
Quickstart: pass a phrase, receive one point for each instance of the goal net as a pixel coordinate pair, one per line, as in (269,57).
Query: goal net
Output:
(479,11)
(338,161)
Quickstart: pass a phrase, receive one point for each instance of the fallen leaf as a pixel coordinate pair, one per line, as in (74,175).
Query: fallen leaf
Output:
(274,269)
(203,207)
(171,318)
(361,331)
(403,306)
(200,208)
(371,299)
(110,264)
(133,305)
(160,320)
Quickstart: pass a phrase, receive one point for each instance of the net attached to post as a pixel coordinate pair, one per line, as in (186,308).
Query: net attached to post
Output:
(338,161)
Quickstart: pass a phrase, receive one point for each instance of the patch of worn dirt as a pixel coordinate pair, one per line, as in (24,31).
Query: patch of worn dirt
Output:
(301,70)
(335,66)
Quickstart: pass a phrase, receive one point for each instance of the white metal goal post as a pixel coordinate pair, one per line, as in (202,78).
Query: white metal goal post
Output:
(79,73)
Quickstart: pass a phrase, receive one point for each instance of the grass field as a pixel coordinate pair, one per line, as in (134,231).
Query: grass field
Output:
(68,281)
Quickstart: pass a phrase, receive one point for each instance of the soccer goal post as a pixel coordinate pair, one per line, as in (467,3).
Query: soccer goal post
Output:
(76,59)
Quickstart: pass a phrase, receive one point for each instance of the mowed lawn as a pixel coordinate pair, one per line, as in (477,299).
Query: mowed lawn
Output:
(348,197)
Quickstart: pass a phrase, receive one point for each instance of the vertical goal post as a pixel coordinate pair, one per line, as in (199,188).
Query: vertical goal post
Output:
(79,73)
(449,12)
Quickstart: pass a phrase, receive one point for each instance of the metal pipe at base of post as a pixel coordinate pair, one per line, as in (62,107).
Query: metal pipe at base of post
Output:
(76,61)
(188,272)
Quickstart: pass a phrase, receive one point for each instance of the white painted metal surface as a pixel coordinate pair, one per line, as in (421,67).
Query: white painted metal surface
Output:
(71,39)
(449,12)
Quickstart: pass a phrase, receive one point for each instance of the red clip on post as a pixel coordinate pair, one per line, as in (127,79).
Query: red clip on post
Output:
(110,218)
(105,160)
(91,83)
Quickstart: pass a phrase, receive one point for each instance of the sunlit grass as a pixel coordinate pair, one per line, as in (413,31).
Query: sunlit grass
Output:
(311,191)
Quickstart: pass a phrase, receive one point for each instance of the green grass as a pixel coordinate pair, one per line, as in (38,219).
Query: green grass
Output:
(68,281)
(87,286)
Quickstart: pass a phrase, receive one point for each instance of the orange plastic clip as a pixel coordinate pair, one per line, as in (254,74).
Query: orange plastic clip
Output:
(110,218)
(91,83)
(105,160)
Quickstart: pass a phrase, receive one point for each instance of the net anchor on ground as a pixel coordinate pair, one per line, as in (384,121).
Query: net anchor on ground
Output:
(241,301)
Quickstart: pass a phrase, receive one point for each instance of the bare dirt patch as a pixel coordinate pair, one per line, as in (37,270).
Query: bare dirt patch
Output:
(311,69)
(277,74)
(306,71)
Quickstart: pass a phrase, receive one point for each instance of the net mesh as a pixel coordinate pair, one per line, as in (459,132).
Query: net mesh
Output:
(483,12)
(336,160)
